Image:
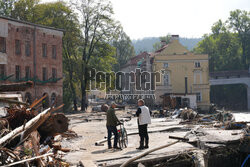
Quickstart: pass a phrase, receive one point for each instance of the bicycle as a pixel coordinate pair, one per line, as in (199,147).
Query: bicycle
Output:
(122,136)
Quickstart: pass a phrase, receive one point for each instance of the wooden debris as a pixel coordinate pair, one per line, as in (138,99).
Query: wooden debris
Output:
(19,131)
(56,123)
(21,86)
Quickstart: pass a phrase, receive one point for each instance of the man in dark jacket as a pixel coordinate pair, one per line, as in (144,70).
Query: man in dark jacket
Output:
(112,122)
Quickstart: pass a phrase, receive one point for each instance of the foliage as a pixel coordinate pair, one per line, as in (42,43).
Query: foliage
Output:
(228,49)
(124,49)
(6,6)
(98,28)
(163,41)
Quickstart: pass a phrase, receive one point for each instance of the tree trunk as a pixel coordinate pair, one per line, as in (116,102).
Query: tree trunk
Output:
(73,90)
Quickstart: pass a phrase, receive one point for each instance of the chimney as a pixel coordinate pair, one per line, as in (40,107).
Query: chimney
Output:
(174,37)
(163,43)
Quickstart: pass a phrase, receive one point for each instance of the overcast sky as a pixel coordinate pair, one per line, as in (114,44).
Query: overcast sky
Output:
(188,18)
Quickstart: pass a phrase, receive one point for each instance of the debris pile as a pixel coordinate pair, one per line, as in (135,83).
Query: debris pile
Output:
(32,138)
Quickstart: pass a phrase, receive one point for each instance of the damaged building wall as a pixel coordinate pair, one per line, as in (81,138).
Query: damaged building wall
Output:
(33,52)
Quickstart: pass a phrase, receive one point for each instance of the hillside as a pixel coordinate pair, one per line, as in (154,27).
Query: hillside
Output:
(146,44)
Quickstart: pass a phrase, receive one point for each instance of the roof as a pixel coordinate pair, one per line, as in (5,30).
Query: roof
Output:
(29,23)
(134,60)
(174,47)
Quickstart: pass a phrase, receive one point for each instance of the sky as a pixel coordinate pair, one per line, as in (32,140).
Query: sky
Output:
(187,18)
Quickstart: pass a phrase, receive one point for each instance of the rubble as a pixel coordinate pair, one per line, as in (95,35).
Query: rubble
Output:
(32,138)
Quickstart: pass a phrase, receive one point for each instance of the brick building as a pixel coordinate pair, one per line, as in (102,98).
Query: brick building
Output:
(32,52)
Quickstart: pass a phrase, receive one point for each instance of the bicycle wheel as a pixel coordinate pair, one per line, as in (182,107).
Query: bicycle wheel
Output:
(119,142)
(125,138)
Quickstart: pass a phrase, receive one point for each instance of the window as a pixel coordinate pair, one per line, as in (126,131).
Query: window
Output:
(197,77)
(28,98)
(18,46)
(53,98)
(44,47)
(54,51)
(198,97)
(44,74)
(197,64)
(2,45)
(27,72)
(2,69)
(18,72)
(53,73)
(27,48)
(166,79)
(165,65)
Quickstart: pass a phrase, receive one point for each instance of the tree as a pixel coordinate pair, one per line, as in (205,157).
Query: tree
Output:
(98,29)
(6,6)
(239,21)
(165,39)
(24,10)
(124,49)
(225,49)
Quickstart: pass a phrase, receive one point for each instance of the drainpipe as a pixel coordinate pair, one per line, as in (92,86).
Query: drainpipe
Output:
(34,59)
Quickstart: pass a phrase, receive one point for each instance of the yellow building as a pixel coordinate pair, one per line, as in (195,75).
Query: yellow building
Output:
(185,74)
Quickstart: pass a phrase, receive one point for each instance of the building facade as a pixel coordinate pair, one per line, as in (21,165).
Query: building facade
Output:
(32,52)
(185,74)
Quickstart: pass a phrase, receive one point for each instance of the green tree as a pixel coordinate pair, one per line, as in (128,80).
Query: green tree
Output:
(165,39)
(239,22)
(225,47)
(6,6)
(24,10)
(98,29)
(124,49)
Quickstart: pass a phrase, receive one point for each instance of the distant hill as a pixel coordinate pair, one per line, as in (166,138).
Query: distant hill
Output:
(146,44)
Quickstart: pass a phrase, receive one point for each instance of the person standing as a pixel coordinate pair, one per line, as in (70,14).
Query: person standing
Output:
(144,119)
(112,122)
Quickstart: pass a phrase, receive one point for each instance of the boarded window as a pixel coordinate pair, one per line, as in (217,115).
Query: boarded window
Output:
(18,72)
(27,48)
(18,47)
(54,51)
(44,74)
(2,45)
(2,69)
(44,48)
(53,73)
(27,72)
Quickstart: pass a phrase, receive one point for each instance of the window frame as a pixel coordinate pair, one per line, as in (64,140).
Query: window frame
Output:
(28,44)
(3,49)
(44,49)
(198,94)
(54,73)
(18,72)
(2,69)
(18,48)
(197,64)
(45,74)
(54,53)
(27,69)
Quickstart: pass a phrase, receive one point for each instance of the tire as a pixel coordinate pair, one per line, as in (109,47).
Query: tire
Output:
(119,142)
(125,139)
